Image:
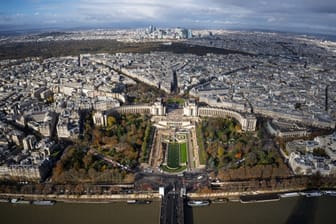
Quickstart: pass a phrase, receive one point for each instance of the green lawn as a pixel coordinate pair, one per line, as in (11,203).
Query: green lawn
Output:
(201,151)
(173,155)
(180,169)
(183,153)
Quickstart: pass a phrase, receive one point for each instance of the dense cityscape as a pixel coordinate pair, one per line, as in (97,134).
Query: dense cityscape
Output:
(242,112)
(169,112)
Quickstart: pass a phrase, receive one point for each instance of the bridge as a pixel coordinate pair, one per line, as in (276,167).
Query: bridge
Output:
(172,206)
(172,209)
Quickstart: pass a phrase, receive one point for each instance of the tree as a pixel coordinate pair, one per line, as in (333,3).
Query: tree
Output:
(319,152)
(316,180)
(87,160)
(251,159)
(58,169)
(239,146)
(220,152)
(97,136)
(50,99)
(297,106)
(111,121)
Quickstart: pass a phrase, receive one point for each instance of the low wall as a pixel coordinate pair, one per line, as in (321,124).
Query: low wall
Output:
(237,194)
(84,198)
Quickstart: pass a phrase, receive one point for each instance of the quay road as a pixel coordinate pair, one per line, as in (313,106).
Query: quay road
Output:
(191,181)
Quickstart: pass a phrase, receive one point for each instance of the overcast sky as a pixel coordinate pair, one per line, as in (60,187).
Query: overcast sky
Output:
(311,16)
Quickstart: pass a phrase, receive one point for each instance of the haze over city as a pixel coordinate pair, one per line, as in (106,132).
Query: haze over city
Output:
(289,15)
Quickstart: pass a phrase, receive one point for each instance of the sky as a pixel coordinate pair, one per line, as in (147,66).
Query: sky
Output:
(310,16)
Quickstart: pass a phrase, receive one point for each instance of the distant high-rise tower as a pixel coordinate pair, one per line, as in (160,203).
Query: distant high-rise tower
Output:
(190,35)
(151,29)
(79,61)
(326,98)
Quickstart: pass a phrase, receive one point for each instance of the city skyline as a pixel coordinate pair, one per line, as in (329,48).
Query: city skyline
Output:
(298,15)
(174,105)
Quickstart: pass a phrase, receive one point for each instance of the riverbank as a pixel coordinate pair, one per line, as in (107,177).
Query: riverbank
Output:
(235,196)
(149,196)
(287,210)
(152,196)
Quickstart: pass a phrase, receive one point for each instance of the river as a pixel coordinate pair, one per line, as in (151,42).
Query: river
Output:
(297,210)
(286,211)
(72,213)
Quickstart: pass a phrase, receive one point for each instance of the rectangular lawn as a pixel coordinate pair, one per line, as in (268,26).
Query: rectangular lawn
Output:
(173,155)
(183,153)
